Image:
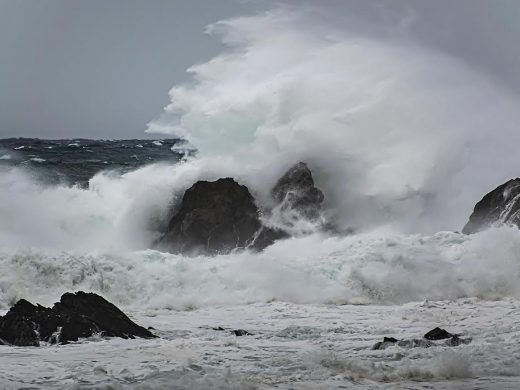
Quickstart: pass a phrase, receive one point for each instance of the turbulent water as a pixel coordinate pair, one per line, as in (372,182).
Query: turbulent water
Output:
(402,140)
(76,161)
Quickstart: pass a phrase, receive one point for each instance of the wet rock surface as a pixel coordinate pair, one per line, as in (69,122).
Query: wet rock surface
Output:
(500,206)
(214,217)
(437,334)
(427,341)
(76,316)
(296,191)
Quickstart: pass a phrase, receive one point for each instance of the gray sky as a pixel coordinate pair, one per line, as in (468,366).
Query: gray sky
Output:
(103,68)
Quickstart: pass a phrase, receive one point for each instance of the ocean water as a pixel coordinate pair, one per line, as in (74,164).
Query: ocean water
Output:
(402,140)
(314,304)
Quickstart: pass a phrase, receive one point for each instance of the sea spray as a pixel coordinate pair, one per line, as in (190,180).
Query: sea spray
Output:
(397,134)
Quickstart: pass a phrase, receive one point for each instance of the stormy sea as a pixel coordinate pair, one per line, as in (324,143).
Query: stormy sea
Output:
(399,154)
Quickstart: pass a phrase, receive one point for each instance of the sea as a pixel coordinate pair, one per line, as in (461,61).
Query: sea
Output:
(82,214)
(402,138)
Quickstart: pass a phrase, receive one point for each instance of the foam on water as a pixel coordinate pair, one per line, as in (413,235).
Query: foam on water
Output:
(369,269)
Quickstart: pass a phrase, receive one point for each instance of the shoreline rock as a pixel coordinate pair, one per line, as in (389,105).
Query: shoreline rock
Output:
(77,315)
(428,340)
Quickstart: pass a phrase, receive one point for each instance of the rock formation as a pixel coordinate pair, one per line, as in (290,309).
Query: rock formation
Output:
(500,206)
(295,191)
(220,216)
(76,316)
(295,198)
(214,217)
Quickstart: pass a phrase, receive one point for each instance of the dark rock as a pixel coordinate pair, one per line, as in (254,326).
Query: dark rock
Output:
(214,217)
(500,206)
(241,332)
(218,328)
(75,316)
(112,321)
(295,191)
(437,334)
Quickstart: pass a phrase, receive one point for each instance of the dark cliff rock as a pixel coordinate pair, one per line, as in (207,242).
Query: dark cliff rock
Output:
(214,217)
(500,206)
(295,191)
(76,316)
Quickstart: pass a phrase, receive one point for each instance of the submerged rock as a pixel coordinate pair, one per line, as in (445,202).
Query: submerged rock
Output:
(240,332)
(415,343)
(500,206)
(214,217)
(426,342)
(455,341)
(76,316)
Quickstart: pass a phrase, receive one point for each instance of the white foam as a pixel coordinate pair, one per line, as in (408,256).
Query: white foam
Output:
(395,133)
(367,269)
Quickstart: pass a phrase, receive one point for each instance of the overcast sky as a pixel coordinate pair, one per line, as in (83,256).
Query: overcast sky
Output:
(103,68)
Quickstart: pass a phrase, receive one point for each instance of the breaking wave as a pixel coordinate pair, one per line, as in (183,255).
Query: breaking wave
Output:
(403,141)
(360,269)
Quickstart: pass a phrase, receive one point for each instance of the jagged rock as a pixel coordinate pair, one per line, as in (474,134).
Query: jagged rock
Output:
(75,316)
(502,206)
(295,191)
(214,217)
(437,334)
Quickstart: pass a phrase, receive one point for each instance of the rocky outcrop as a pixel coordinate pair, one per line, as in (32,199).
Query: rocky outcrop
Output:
(76,316)
(214,217)
(295,191)
(221,216)
(295,198)
(500,206)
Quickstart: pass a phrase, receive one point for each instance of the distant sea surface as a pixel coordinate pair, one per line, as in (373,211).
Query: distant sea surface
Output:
(75,161)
